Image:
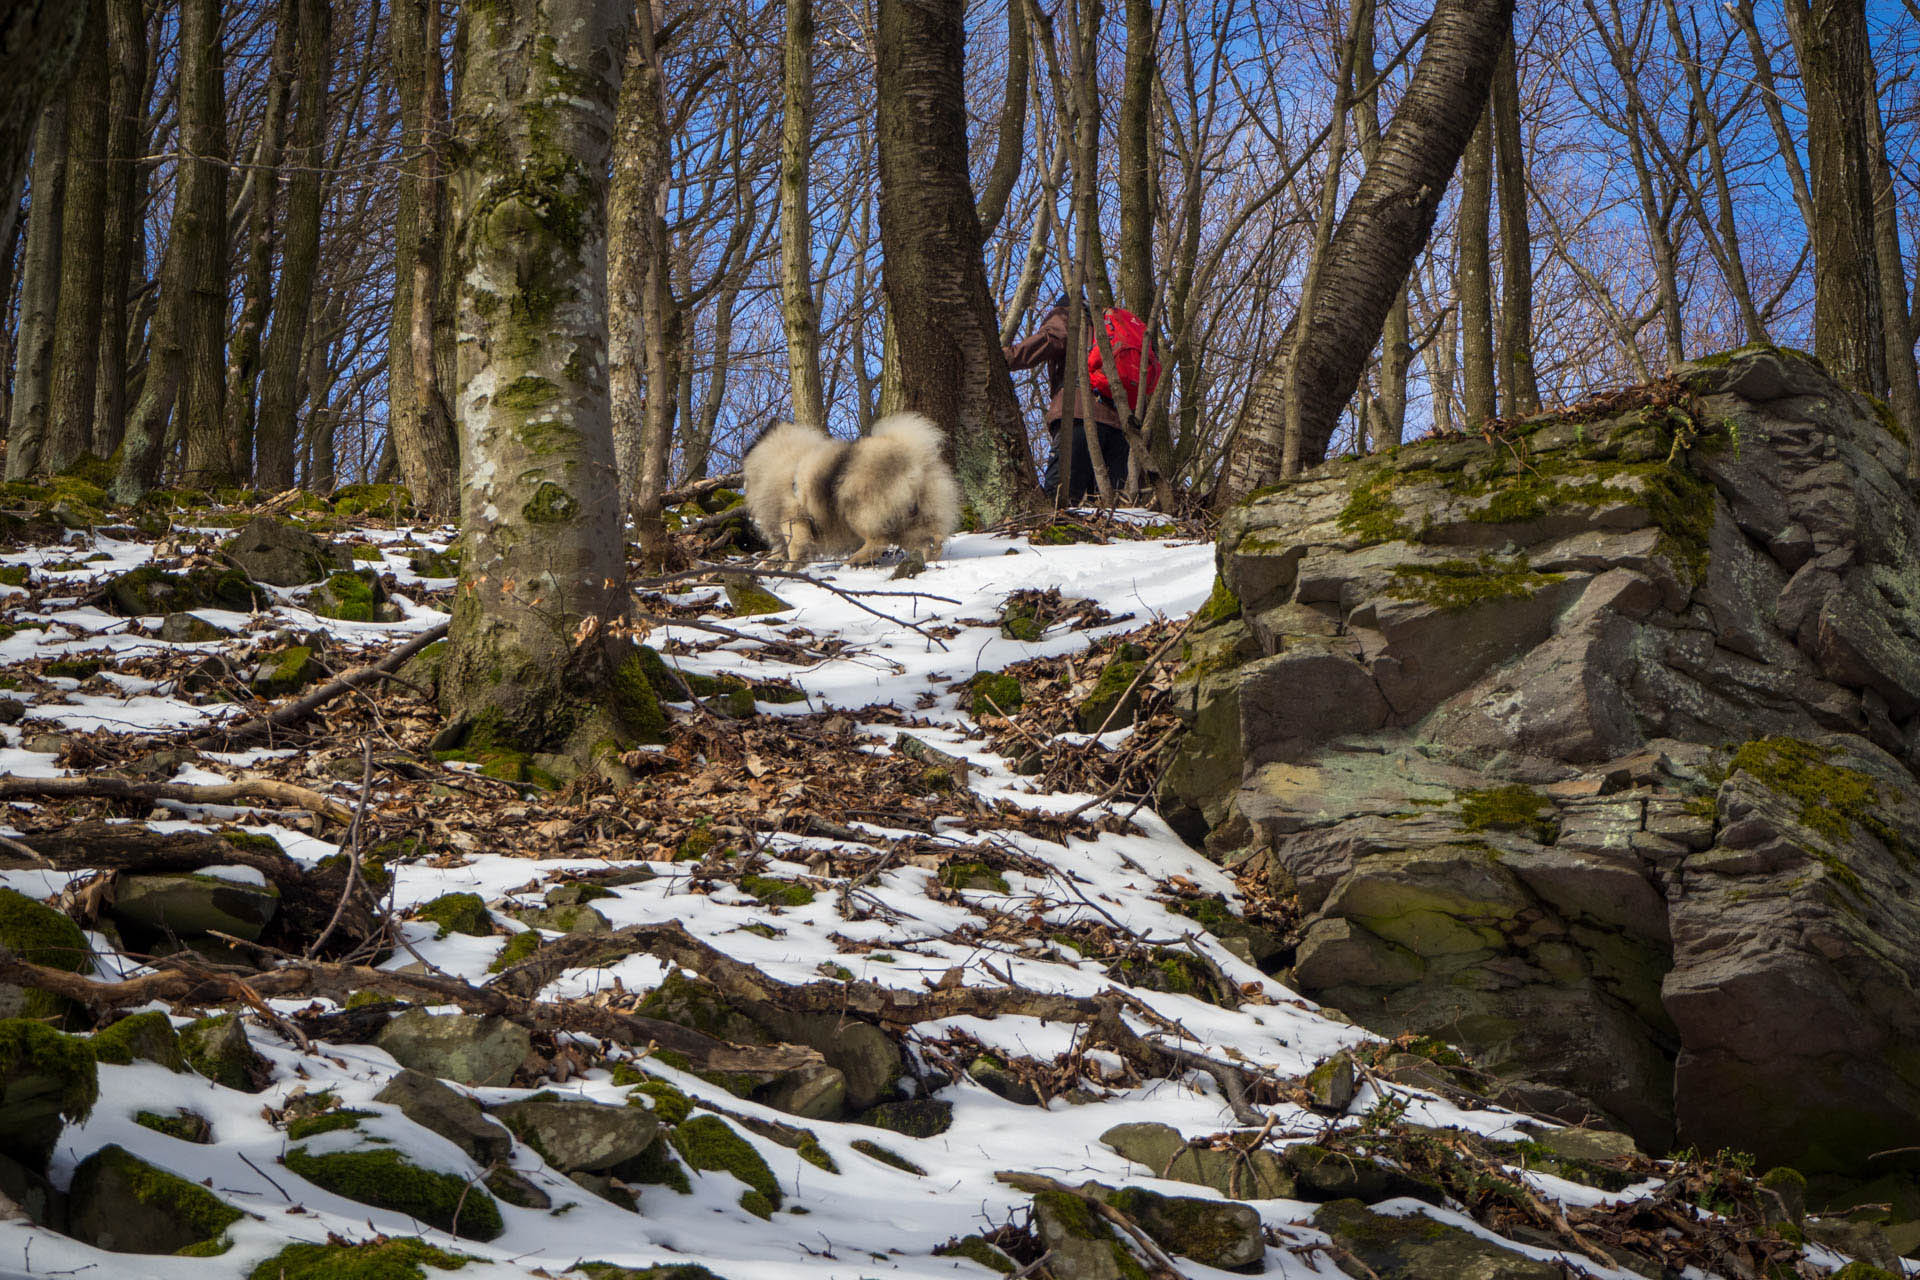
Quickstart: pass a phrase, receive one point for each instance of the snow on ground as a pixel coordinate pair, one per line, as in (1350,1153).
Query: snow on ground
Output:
(869,1219)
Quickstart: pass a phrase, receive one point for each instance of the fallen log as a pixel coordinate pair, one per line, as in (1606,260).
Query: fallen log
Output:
(106,787)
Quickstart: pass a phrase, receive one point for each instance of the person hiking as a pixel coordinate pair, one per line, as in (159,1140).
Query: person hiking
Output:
(1048,345)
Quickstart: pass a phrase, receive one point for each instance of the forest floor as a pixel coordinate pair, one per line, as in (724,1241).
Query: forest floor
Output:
(988,888)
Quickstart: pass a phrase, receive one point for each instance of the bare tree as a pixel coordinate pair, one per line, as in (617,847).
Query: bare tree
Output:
(76,333)
(39,296)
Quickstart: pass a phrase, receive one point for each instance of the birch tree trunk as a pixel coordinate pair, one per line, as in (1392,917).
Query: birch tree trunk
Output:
(1385,227)
(942,320)
(797,309)
(76,330)
(39,296)
(300,252)
(535,660)
(1830,38)
(200,223)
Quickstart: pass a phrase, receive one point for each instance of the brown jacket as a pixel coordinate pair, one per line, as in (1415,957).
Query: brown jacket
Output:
(1048,344)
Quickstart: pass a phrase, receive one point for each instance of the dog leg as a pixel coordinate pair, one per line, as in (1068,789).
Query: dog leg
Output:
(869,552)
(799,544)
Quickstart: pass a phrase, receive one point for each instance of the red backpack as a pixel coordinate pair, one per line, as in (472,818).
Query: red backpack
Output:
(1128,338)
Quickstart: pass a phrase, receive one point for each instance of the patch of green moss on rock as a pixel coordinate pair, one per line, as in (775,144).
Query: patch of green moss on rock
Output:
(45,1077)
(709,1144)
(637,698)
(187,1126)
(151,590)
(519,947)
(978,1249)
(115,1175)
(387,1180)
(1509,808)
(397,1259)
(749,599)
(40,935)
(669,1104)
(776,892)
(550,504)
(875,1151)
(1830,798)
(995,693)
(914,1117)
(464,913)
(217,1048)
(1458,585)
(1221,606)
(289,671)
(148,1035)
(350,597)
(303,1127)
(1109,705)
(973,875)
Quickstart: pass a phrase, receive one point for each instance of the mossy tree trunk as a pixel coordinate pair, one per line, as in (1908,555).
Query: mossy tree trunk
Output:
(126,135)
(536,661)
(76,328)
(300,252)
(200,234)
(637,265)
(39,296)
(943,325)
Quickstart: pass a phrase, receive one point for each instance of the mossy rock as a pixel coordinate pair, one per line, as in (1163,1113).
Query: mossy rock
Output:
(1217,1233)
(749,599)
(1109,705)
(397,1259)
(981,1250)
(385,1179)
(1417,1247)
(190,906)
(37,933)
(995,693)
(973,875)
(148,1036)
(300,1128)
(350,597)
(387,500)
(519,947)
(1081,1242)
(14,575)
(151,590)
(776,892)
(893,1159)
(185,1125)
(709,1144)
(46,1077)
(668,1271)
(914,1117)
(1221,606)
(1509,808)
(464,913)
(218,1049)
(1021,620)
(286,672)
(429,563)
(121,1203)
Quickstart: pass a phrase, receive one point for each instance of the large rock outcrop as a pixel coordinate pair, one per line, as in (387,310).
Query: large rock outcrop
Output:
(1592,748)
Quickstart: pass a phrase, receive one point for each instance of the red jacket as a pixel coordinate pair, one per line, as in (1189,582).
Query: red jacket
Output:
(1048,344)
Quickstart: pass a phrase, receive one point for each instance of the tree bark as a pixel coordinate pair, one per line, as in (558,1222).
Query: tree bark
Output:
(1903,379)
(200,223)
(38,42)
(1136,161)
(1396,353)
(1519,394)
(300,251)
(76,329)
(797,309)
(420,326)
(1010,146)
(126,137)
(1830,38)
(256,291)
(535,657)
(1386,225)
(1473,229)
(943,324)
(39,296)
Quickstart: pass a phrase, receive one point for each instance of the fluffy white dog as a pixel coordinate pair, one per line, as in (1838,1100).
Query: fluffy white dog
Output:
(812,495)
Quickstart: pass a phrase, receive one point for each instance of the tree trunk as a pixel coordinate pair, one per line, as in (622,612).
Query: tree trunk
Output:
(535,662)
(1519,394)
(1010,145)
(300,252)
(146,439)
(38,42)
(200,223)
(76,330)
(1476,275)
(419,420)
(797,310)
(943,324)
(39,296)
(1136,162)
(1903,380)
(9,258)
(1396,353)
(1383,231)
(126,136)
(256,292)
(1830,37)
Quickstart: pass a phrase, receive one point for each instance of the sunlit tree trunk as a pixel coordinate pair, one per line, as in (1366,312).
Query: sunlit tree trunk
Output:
(1519,394)
(1395,352)
(943,323)
(1010,145)
(300,254)
(1136,162)
(1903,380)
(126,133)
(535,657)
(76,332)
(1475,280)
(200,222)
(39,296)
(797,309)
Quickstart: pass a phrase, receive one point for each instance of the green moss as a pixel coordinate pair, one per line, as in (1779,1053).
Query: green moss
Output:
(367,554)
(380,499)
(1193,1228)
(30,1051)
(1063,533)
(1097,710)
(1021,619)
(347,596)
(749,599)
(973,875)
(875,1151)
(386,1180)
(756,1204)
(1831,798)
(148,1035)
(1371,515)
(1221,606)
(193,1206)
(977,1249)
(14,575)
(187,1126)
(913,1117)
(636,699)
(550,504)
(74,668)
(657,1167)
(669,1104)
(1510,808)
(1458,585)
(709,1143)
(776,892)
(305,1127)
(519,947)
(397,1259)
(37,933)
(671,1271)
(816,1155)
(464,913)
(1863,1271)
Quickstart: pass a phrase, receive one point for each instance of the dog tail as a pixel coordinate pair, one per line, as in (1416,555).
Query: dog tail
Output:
(914,431)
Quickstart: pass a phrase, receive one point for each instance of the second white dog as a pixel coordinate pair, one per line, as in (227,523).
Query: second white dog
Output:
(812,495)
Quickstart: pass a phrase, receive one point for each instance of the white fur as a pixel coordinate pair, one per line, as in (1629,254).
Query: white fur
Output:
(812,495)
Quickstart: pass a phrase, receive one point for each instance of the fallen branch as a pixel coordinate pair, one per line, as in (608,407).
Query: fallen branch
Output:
(96,787)
(701,488)
(304,706)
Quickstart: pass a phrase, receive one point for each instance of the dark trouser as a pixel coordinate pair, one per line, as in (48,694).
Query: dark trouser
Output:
(1113,451)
